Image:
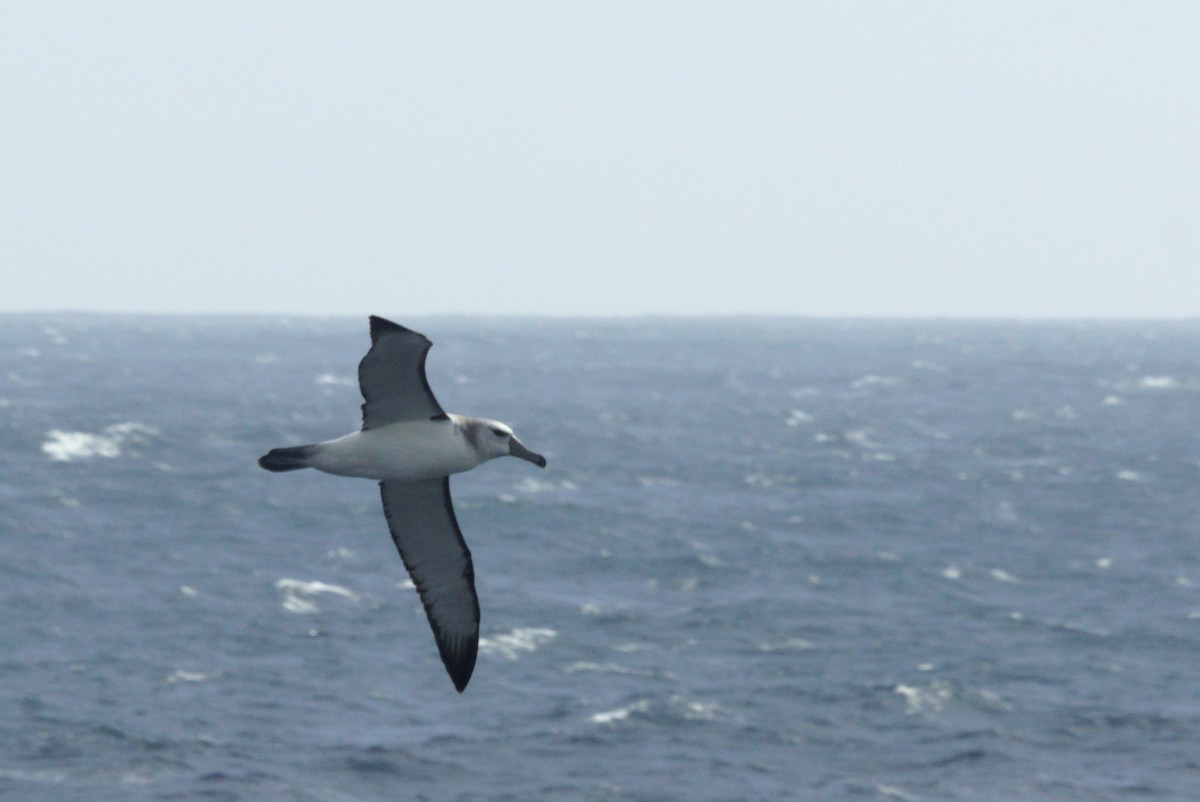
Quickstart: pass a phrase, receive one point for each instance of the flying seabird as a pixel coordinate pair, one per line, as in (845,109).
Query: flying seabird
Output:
(411,446)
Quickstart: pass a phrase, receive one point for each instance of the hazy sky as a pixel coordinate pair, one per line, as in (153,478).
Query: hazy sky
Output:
(960,158)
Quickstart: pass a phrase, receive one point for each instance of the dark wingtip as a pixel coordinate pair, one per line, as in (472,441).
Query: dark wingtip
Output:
(460,666)
(381,326)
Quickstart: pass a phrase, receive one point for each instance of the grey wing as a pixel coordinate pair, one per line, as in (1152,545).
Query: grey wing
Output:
(392,376)
(423,526)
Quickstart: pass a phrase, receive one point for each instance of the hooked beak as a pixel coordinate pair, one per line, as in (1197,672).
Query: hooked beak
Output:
(517,449)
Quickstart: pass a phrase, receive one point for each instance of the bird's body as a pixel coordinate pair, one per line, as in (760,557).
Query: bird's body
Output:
(409,450)
(411,446)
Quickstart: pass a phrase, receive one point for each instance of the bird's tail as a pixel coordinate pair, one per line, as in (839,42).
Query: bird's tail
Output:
(292,458)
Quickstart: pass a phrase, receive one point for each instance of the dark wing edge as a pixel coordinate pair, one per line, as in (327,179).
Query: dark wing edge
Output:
(382,327)
(458,650)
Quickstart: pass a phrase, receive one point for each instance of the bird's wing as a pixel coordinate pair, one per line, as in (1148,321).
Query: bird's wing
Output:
(392,377)
(426,533)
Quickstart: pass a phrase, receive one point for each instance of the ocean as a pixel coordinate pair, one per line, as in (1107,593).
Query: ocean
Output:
(769,559)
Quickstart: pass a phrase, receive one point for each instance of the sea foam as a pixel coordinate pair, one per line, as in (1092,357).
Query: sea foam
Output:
(521,639)
(72,446)
(297,594)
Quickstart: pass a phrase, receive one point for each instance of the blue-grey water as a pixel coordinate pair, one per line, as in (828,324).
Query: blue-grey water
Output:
(769,559)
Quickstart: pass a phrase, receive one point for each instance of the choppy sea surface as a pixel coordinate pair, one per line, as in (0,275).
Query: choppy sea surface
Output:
(769,560)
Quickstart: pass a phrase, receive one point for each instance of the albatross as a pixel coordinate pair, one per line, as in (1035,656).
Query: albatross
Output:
(410,445)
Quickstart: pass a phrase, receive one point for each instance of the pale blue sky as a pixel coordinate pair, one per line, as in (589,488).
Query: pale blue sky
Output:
(965,159)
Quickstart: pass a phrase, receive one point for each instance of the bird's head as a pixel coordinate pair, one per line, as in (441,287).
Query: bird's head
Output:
(495,439)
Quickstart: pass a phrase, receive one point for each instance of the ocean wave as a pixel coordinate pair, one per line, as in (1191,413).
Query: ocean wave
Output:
(512,644)
(329,378)
(799,416)
(179,675)
(621,713)
(671,710)
(872,380)
(787,646)
(528,484)
(72,446)
(931,698)
(616,668)
(297,594)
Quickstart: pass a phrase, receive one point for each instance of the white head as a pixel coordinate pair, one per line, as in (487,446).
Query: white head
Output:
(491,439)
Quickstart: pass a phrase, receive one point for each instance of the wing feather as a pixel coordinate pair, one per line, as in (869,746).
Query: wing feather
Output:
(392,376)
(423,526)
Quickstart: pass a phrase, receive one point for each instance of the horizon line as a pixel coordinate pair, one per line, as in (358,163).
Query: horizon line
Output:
(814,316)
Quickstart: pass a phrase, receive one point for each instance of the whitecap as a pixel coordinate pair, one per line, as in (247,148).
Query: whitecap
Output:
(658,481)
(896,793)
(872,380)
(921,364)
(71,446)
(799,416)
(1000,575)
(521,639)
(529,484)
(1066,412)
(329,378)
(54,335)
(995,700)
(674,708)
(861,437)
(1129,476)
(760,480)
(788,645)
(616,668)
(696,711)
(621,713)
(1098,632)
(296,594)
(1158,382)
(179,675)
(929,699)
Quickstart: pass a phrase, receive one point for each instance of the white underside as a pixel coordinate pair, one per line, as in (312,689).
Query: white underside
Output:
(410,450)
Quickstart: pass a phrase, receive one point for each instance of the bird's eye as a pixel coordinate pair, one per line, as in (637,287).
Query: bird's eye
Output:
(498,432)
